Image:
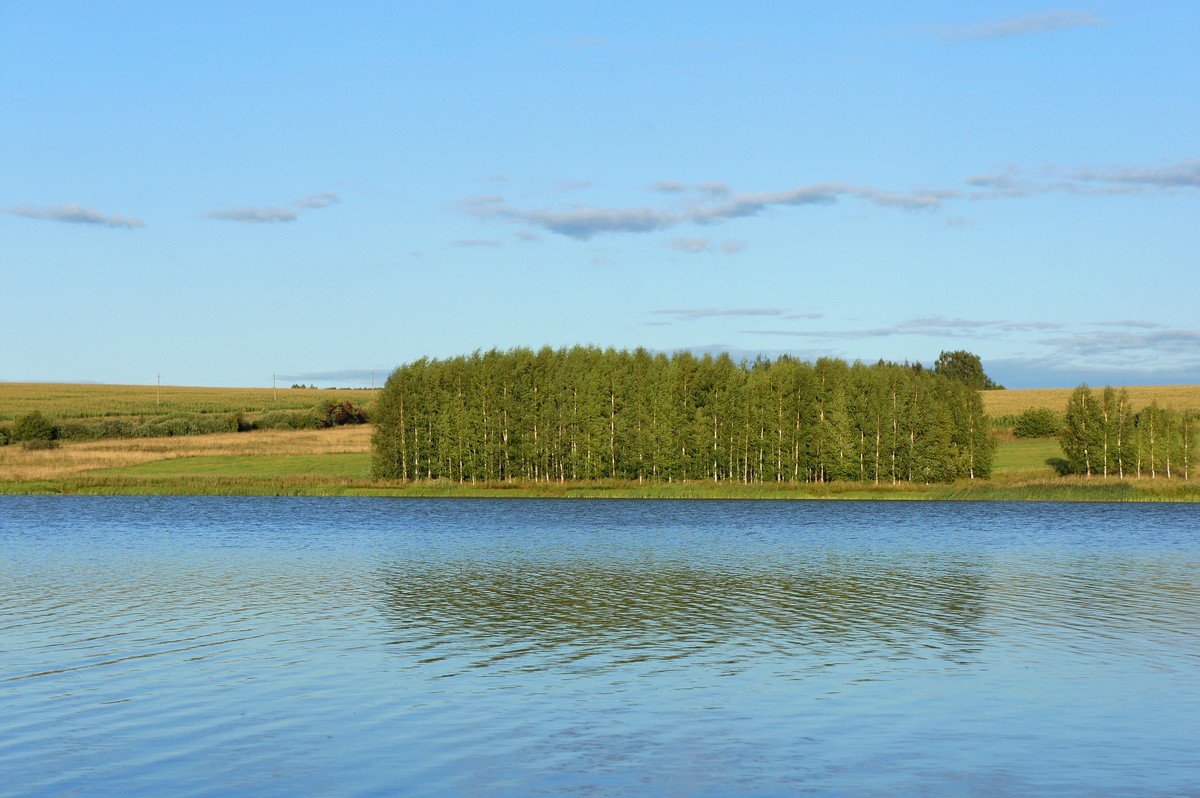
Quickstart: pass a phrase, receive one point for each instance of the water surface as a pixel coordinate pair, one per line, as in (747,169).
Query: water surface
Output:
(518,647)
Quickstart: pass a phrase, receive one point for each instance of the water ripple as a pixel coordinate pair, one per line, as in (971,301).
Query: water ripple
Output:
(369,646)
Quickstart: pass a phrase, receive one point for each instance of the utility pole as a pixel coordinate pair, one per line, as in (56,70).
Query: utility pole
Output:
(372,380)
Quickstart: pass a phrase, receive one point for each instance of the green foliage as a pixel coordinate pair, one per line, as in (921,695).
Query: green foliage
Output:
(966,368)
(585,414)
(34,427)
(333,413)
(5,436)
(1082,432)
(181,425)
(1103,437)
(39,443)
(287,419)
(1037,422)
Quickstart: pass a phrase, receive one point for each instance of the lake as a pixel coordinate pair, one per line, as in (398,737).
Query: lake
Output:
(353,646)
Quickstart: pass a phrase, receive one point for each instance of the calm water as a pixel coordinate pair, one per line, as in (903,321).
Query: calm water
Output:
(355,646)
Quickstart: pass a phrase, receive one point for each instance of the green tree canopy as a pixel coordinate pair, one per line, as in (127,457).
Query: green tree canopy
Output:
(966,368)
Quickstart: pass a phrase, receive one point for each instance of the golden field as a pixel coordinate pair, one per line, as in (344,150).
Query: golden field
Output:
(1006,403)
(71,459)
(76,401)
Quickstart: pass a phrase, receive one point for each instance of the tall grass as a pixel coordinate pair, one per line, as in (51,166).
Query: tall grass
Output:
(72,459)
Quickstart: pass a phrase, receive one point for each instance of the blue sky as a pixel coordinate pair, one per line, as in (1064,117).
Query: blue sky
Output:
(219,192)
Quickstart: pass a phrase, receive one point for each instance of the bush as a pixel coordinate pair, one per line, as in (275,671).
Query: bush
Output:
(287,419)
(34,444)
(171,426)
(335,414)
(78,431)
(1038,422)
(34,427)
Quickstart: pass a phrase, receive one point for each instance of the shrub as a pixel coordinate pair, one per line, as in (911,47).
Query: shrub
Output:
(1038,422)
(5,436)
(171,426)
(287,419)
(78,431)
(34,427)
(34,444)
(335,414)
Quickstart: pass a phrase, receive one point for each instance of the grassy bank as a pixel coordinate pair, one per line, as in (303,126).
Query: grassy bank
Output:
(337,462)
(1064,490)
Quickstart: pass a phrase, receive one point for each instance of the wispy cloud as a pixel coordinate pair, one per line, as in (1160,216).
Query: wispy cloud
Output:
(1112,356)
(692,245)
(564,186)
(936,326)
(693,314)
(75,214)
(270,214)
(1180,346)
(481,200)
(1013,182)
(713,208)
(716,203)
(477,242)
(714,189)
(321,199)
(1142,325)
(733,246)
(1183,174)
(253,215)
(1036,22)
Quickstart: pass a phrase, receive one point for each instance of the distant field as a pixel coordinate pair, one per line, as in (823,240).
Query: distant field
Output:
(206,452)
(1005,403)
(71,401)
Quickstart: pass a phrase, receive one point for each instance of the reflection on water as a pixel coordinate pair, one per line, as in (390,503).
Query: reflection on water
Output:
(563,612)
(512,647)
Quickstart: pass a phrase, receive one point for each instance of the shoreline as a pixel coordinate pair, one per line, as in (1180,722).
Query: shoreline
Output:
(1064,489)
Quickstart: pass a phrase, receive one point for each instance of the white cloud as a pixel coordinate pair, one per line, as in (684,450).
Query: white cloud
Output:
(75,214)
(1036,22)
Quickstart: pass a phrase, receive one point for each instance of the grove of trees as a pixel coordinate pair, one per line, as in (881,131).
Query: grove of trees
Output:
(1104,437)
(585,413)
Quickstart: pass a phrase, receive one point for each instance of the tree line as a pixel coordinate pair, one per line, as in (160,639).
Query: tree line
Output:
(1103,437)
(585,413)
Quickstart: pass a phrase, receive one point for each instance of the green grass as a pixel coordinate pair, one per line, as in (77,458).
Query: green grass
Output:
(1028,458)
(331,466)
(1022,474)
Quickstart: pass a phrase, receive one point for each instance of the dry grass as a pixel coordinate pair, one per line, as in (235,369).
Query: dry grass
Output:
(19,465)
(78,401)
(1005,403)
